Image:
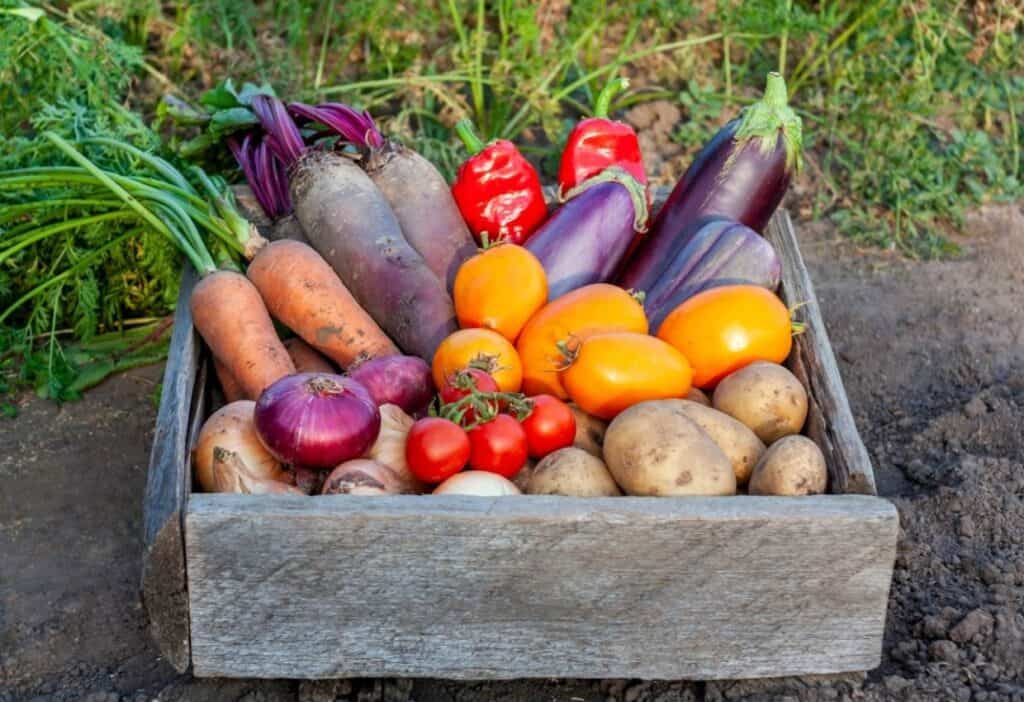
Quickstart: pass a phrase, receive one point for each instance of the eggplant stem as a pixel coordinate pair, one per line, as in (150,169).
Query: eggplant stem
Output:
(637,192)
(765,120)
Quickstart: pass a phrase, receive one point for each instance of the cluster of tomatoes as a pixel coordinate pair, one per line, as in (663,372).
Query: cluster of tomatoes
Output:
(480,426)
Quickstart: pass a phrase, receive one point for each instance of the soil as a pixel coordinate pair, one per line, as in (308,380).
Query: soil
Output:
(933,358)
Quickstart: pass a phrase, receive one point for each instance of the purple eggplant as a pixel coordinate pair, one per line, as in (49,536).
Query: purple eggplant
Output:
(718,251)
(585,239)
(741,174)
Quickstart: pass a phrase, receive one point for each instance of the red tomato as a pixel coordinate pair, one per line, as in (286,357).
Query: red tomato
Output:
(436,449)
(550,426)
(499,446)
(454,388)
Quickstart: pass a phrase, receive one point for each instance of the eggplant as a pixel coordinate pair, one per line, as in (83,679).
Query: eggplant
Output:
(585,240)
(741,174)
(718,251)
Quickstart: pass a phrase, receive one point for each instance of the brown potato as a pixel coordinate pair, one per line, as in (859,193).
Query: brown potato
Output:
(572,472)
(521,478)
(737,441)
(793,465)
(766,397)
(655,449)
(697,395)
(589,431)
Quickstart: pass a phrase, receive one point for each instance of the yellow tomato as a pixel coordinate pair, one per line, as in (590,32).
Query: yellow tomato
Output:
(479,348)
(500,289)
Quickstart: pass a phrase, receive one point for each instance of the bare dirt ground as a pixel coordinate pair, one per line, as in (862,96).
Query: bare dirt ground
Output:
(933,357)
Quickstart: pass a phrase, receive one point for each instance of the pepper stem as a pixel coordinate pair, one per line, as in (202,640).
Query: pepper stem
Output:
(464,128)
(604,98)
(766,118)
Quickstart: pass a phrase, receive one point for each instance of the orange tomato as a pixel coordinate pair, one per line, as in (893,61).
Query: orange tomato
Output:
(479,348)
(616,370)
(723,329)
(500,289)
(592,308)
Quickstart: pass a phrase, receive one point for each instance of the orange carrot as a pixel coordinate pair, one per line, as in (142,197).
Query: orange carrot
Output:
(303,292)
(306,358)
(228,385)
(232,319)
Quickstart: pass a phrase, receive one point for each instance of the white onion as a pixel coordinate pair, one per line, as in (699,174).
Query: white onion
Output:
(477,482)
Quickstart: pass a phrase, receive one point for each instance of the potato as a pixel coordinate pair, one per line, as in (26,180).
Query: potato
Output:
(653,448)
(740,445)
(572,472)
(793,465)
(697,395)
(766,397)
(589,431)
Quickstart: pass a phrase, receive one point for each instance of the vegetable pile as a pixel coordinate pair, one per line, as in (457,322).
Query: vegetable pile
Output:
(579,353)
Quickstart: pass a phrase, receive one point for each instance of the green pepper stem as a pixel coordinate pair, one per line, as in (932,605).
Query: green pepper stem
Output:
(604,98)
(464,128)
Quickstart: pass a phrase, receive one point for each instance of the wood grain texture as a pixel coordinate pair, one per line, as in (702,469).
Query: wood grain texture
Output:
(164,588)
(493,588)
(829,421)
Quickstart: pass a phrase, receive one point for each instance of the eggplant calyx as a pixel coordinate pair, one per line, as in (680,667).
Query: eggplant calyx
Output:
(614,174)
(766,118)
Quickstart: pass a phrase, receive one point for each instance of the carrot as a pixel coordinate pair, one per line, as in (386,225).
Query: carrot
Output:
(306,358)
(231,317)
(228,385)
(305,293)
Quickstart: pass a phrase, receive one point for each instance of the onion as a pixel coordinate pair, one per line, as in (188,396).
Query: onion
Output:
(397,380)
(389,448)
(364,477)
(317,420)
(477,482)
(231,428)
(231,475)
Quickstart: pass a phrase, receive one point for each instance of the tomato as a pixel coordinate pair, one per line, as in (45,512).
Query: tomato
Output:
(551,425)
(479,348)
(454,389)
(499,446)
(616,370)
(500,289)
(436,449)
(592,308)
(724,329)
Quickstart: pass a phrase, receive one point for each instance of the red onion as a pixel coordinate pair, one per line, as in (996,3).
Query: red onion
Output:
(316,420)
(397,380)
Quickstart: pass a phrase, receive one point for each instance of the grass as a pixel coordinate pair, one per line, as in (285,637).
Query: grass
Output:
(910,108)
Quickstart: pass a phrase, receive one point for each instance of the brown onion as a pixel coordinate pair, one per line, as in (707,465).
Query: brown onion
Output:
(389,448)
(232,429)
(230,474)
(364,477)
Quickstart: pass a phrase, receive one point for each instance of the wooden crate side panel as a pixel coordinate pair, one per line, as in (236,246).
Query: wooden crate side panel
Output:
(164,588)
(830,422)
(480,588)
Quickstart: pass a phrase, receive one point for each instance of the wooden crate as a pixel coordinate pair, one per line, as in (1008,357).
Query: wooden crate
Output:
(521,587)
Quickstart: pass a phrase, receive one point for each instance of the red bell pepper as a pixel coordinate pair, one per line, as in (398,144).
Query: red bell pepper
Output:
(497,190)
(597,143)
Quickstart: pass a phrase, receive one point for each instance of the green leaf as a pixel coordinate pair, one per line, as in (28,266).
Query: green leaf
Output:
(222,97)
(181,112)
(251,90)
(32,14)
(228,121)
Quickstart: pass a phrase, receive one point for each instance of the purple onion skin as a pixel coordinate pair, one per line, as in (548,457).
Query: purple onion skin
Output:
(405,381)
(748,192)
(317,420)
(712,251)
(584,241)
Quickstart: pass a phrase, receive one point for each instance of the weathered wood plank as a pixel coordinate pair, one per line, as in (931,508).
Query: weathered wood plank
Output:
(830,422)
(482,588)
(164,588)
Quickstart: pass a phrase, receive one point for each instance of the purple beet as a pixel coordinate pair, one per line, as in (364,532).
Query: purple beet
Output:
(741,174)
(716,252)
(585,239)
